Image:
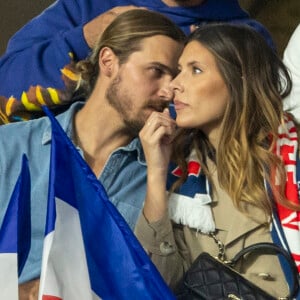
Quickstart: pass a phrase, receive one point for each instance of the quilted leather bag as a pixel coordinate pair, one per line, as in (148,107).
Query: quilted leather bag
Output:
(212,278)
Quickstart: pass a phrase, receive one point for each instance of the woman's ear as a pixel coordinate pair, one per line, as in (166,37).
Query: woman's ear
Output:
(107,61)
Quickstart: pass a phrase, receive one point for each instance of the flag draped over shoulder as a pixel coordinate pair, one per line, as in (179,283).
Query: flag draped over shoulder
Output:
(90,252)
(15,235)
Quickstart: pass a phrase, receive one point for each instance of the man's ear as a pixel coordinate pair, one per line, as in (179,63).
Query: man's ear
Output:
(108,61)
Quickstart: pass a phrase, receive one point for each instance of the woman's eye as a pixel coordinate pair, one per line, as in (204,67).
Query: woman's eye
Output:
(197,70)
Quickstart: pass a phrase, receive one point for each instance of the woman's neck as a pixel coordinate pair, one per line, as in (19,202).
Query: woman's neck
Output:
(185,3)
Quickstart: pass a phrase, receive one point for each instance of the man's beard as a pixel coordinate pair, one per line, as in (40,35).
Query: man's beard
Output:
(123,103)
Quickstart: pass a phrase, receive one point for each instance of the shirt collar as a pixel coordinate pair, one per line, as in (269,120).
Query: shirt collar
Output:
(135,146)
(65,120)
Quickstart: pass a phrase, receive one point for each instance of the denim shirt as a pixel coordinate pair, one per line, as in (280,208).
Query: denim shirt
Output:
(123,176)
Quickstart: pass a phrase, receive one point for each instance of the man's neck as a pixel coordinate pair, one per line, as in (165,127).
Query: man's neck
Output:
(98,135)
(185,3)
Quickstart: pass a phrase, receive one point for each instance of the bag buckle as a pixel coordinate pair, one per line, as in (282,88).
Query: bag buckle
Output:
(233,297)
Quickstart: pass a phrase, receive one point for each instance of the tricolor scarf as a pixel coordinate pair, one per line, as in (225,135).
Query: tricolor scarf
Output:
(286,222)
(190,205)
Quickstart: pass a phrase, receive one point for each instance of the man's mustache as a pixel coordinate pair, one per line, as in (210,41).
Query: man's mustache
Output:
(158,105)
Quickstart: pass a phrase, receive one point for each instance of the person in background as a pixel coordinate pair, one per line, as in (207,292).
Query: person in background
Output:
(38,51)
(125,79)
(219,167)
(291,58)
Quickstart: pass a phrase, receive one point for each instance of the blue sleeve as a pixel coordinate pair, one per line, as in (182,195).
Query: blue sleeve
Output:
(37,52)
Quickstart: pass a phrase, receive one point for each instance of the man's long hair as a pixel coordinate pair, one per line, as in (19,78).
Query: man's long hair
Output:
(124,36)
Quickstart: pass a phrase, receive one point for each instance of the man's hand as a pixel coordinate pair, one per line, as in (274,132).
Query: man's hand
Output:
(93,29)
(29,290)
(157,137)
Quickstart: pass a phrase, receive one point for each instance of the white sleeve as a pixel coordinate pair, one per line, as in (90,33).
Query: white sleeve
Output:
(291,58)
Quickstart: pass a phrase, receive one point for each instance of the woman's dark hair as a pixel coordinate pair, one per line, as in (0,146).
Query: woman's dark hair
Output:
(257,81)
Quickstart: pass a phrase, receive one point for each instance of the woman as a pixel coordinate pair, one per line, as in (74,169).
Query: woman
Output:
(228,100)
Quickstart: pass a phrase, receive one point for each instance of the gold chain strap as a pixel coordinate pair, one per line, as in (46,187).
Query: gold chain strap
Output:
(221,246)
(221,255)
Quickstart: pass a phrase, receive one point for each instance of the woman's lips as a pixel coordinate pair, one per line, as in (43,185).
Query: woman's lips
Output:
(179,105)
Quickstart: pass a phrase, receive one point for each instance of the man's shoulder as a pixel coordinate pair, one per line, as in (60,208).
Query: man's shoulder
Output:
(25,137)
(19,129)
(38,126)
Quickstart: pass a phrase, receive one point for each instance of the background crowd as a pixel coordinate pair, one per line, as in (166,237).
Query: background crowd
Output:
(279,16)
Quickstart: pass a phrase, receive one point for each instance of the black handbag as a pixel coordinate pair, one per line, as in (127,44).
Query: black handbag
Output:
(212,278)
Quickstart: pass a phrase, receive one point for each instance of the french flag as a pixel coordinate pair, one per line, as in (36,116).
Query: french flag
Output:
(15,235)
(89,250)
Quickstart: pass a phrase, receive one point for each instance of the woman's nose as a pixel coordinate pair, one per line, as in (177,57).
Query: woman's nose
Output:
(176,85)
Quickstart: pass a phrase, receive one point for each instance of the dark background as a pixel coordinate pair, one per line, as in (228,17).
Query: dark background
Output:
(279,16)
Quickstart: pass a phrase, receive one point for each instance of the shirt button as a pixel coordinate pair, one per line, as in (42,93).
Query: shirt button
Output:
(166,248)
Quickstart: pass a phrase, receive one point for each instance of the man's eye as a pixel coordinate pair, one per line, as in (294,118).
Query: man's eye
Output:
(157,71)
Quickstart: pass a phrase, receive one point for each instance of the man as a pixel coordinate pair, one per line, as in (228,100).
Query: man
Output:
(41,48)
(129,74)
